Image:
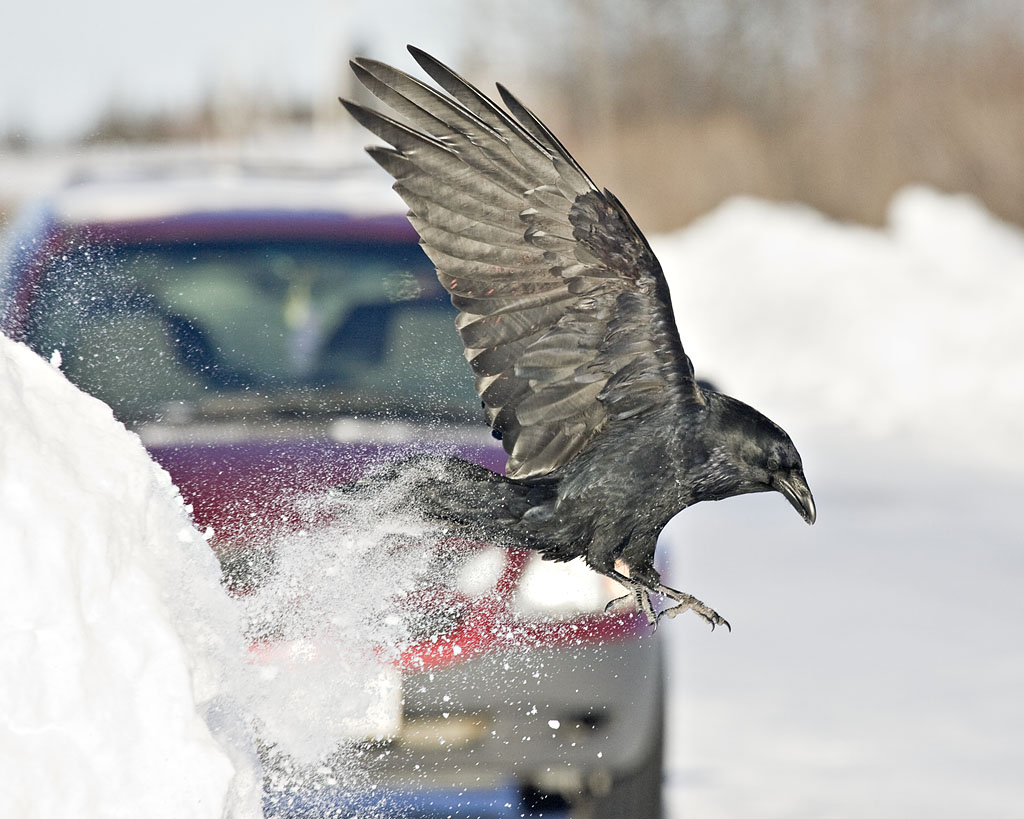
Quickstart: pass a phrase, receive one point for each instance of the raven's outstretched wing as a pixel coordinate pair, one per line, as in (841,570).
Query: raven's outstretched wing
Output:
(564,310)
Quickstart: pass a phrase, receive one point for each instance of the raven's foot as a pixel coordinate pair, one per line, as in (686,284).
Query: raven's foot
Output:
(639,599)
(687,602)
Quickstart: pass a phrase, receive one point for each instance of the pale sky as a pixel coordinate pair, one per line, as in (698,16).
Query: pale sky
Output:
(64,62)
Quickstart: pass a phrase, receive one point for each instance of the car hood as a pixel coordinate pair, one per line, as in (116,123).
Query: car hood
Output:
(247,479)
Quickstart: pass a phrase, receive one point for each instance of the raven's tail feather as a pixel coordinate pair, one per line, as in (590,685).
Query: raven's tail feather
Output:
(466,495)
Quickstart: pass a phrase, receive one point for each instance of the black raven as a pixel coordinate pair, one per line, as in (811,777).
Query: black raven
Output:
(567,323)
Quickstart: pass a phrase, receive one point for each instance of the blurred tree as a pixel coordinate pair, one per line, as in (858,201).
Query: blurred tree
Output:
(677,104)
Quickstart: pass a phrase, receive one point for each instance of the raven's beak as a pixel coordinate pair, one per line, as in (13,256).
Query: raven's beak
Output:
(794,487)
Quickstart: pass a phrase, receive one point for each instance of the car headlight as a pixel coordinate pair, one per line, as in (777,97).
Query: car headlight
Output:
(552,589)
(480,571)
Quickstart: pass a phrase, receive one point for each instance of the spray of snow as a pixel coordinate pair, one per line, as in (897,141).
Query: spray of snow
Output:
(328,603)
(329,616)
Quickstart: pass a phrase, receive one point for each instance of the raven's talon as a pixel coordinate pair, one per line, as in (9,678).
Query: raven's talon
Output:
(715,619)
(688,603)
(621,605)
(643,603)
(674,611)
(637,600)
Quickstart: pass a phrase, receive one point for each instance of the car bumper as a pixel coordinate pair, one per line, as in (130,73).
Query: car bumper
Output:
(501,802)
(565,720)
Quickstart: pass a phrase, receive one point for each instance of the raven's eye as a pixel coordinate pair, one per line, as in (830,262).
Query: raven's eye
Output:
(773,463)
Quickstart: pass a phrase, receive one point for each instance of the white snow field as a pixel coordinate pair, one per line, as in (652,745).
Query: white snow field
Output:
(876,663)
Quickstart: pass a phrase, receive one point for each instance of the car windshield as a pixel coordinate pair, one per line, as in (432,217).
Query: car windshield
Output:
(227,327)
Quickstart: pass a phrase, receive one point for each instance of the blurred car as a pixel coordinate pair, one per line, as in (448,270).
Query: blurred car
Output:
(271,333)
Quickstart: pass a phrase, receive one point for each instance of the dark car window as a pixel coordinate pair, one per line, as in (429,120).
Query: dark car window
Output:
(147,326)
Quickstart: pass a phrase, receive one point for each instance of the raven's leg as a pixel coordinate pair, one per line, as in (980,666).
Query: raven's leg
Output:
(689,602)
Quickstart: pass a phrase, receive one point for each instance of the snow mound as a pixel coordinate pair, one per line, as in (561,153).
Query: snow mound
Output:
(114,625)
(913,331)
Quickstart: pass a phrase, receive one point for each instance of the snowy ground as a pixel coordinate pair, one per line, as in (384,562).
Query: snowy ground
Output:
(876,666)
(877,661)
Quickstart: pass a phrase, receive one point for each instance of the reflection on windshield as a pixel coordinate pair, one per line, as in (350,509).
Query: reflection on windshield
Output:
(364,326)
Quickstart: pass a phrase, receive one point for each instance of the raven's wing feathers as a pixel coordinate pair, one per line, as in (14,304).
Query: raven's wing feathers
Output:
(563,308)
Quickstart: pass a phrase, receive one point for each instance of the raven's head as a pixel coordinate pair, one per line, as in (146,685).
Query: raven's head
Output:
(781,470)
(761,455)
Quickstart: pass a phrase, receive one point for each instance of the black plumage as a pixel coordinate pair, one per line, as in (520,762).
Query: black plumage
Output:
(568,327)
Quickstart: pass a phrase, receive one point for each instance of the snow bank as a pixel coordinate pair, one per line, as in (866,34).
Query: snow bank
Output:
(913,331)
(127,686)
(114,627)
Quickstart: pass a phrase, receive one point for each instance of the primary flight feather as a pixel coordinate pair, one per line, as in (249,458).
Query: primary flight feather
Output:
(567,324)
